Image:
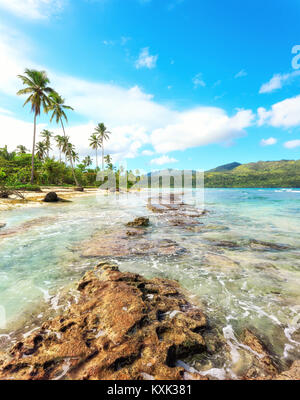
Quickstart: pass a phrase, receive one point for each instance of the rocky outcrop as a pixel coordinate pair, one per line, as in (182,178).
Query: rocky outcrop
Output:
(123,327)
(139,222)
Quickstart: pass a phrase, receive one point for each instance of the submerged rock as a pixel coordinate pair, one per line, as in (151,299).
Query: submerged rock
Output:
(120,244)
(123,327)
(260,245)
(219,261)
(139,221)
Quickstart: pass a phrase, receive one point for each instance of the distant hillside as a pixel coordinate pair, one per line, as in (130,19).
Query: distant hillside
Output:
(225,167)
(284,173)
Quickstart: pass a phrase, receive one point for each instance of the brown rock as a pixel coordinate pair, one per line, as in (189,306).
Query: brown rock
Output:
(123,327)
(292,374)
(139,222)
(264,361)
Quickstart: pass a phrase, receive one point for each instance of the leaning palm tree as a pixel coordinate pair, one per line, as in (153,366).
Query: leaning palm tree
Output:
(21,149)
(58,107)
(59,143)
(47,135)
(41,150)
(103,134)
(37,87)
(95,143)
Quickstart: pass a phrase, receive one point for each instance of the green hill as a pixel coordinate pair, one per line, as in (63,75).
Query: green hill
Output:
(284,173)
(225,167)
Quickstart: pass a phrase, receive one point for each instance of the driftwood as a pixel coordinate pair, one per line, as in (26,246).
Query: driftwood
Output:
(5,193)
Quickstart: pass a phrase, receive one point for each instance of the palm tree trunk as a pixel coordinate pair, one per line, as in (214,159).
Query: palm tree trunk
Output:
(96,159)
(102,157)
(73,172)
(33,148)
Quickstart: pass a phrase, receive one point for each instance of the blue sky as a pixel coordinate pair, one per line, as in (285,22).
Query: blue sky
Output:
(179,83)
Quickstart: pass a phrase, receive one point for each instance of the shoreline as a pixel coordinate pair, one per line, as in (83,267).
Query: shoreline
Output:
(34,199)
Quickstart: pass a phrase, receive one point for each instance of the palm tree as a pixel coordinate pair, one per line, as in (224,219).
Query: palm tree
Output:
(59,143)
(87,161)
(103,133)
(72,156)
(58,107)
(37,87)
(21,149)
(95,143)
(41,150)
(47,135)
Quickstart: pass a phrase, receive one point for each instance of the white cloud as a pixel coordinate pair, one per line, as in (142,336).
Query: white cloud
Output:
(278,81)
(284,114)
(198,80)
(292,144)
(268,142)
(163,160)
(147,153)
(33,9)
(134,117)
(17,131)
(4,111)
(200,126)
(240,74)
(146,60)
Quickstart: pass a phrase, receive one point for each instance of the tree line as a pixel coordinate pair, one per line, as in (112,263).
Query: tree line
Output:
(42,97)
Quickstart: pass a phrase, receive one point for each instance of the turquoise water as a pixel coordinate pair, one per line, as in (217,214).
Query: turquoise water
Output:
(238,286)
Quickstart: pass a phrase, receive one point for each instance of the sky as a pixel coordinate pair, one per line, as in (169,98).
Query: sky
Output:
(184,84)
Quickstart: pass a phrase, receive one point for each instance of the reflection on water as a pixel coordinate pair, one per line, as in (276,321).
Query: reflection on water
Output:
(238,282)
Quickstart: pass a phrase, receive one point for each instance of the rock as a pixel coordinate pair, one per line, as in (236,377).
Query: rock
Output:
(220,261)
(223,243)
(123,327)
(4,194)
(51,197)
(260,245)
(139,221)
(263,360)
(292,374)
(121,244)
(2,225)
(79,189)
(187,221)
(135,232)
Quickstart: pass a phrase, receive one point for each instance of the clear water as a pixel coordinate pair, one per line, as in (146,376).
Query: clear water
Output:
(40,261)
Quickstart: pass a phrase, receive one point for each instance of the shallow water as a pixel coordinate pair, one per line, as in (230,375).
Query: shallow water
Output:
(40,261)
